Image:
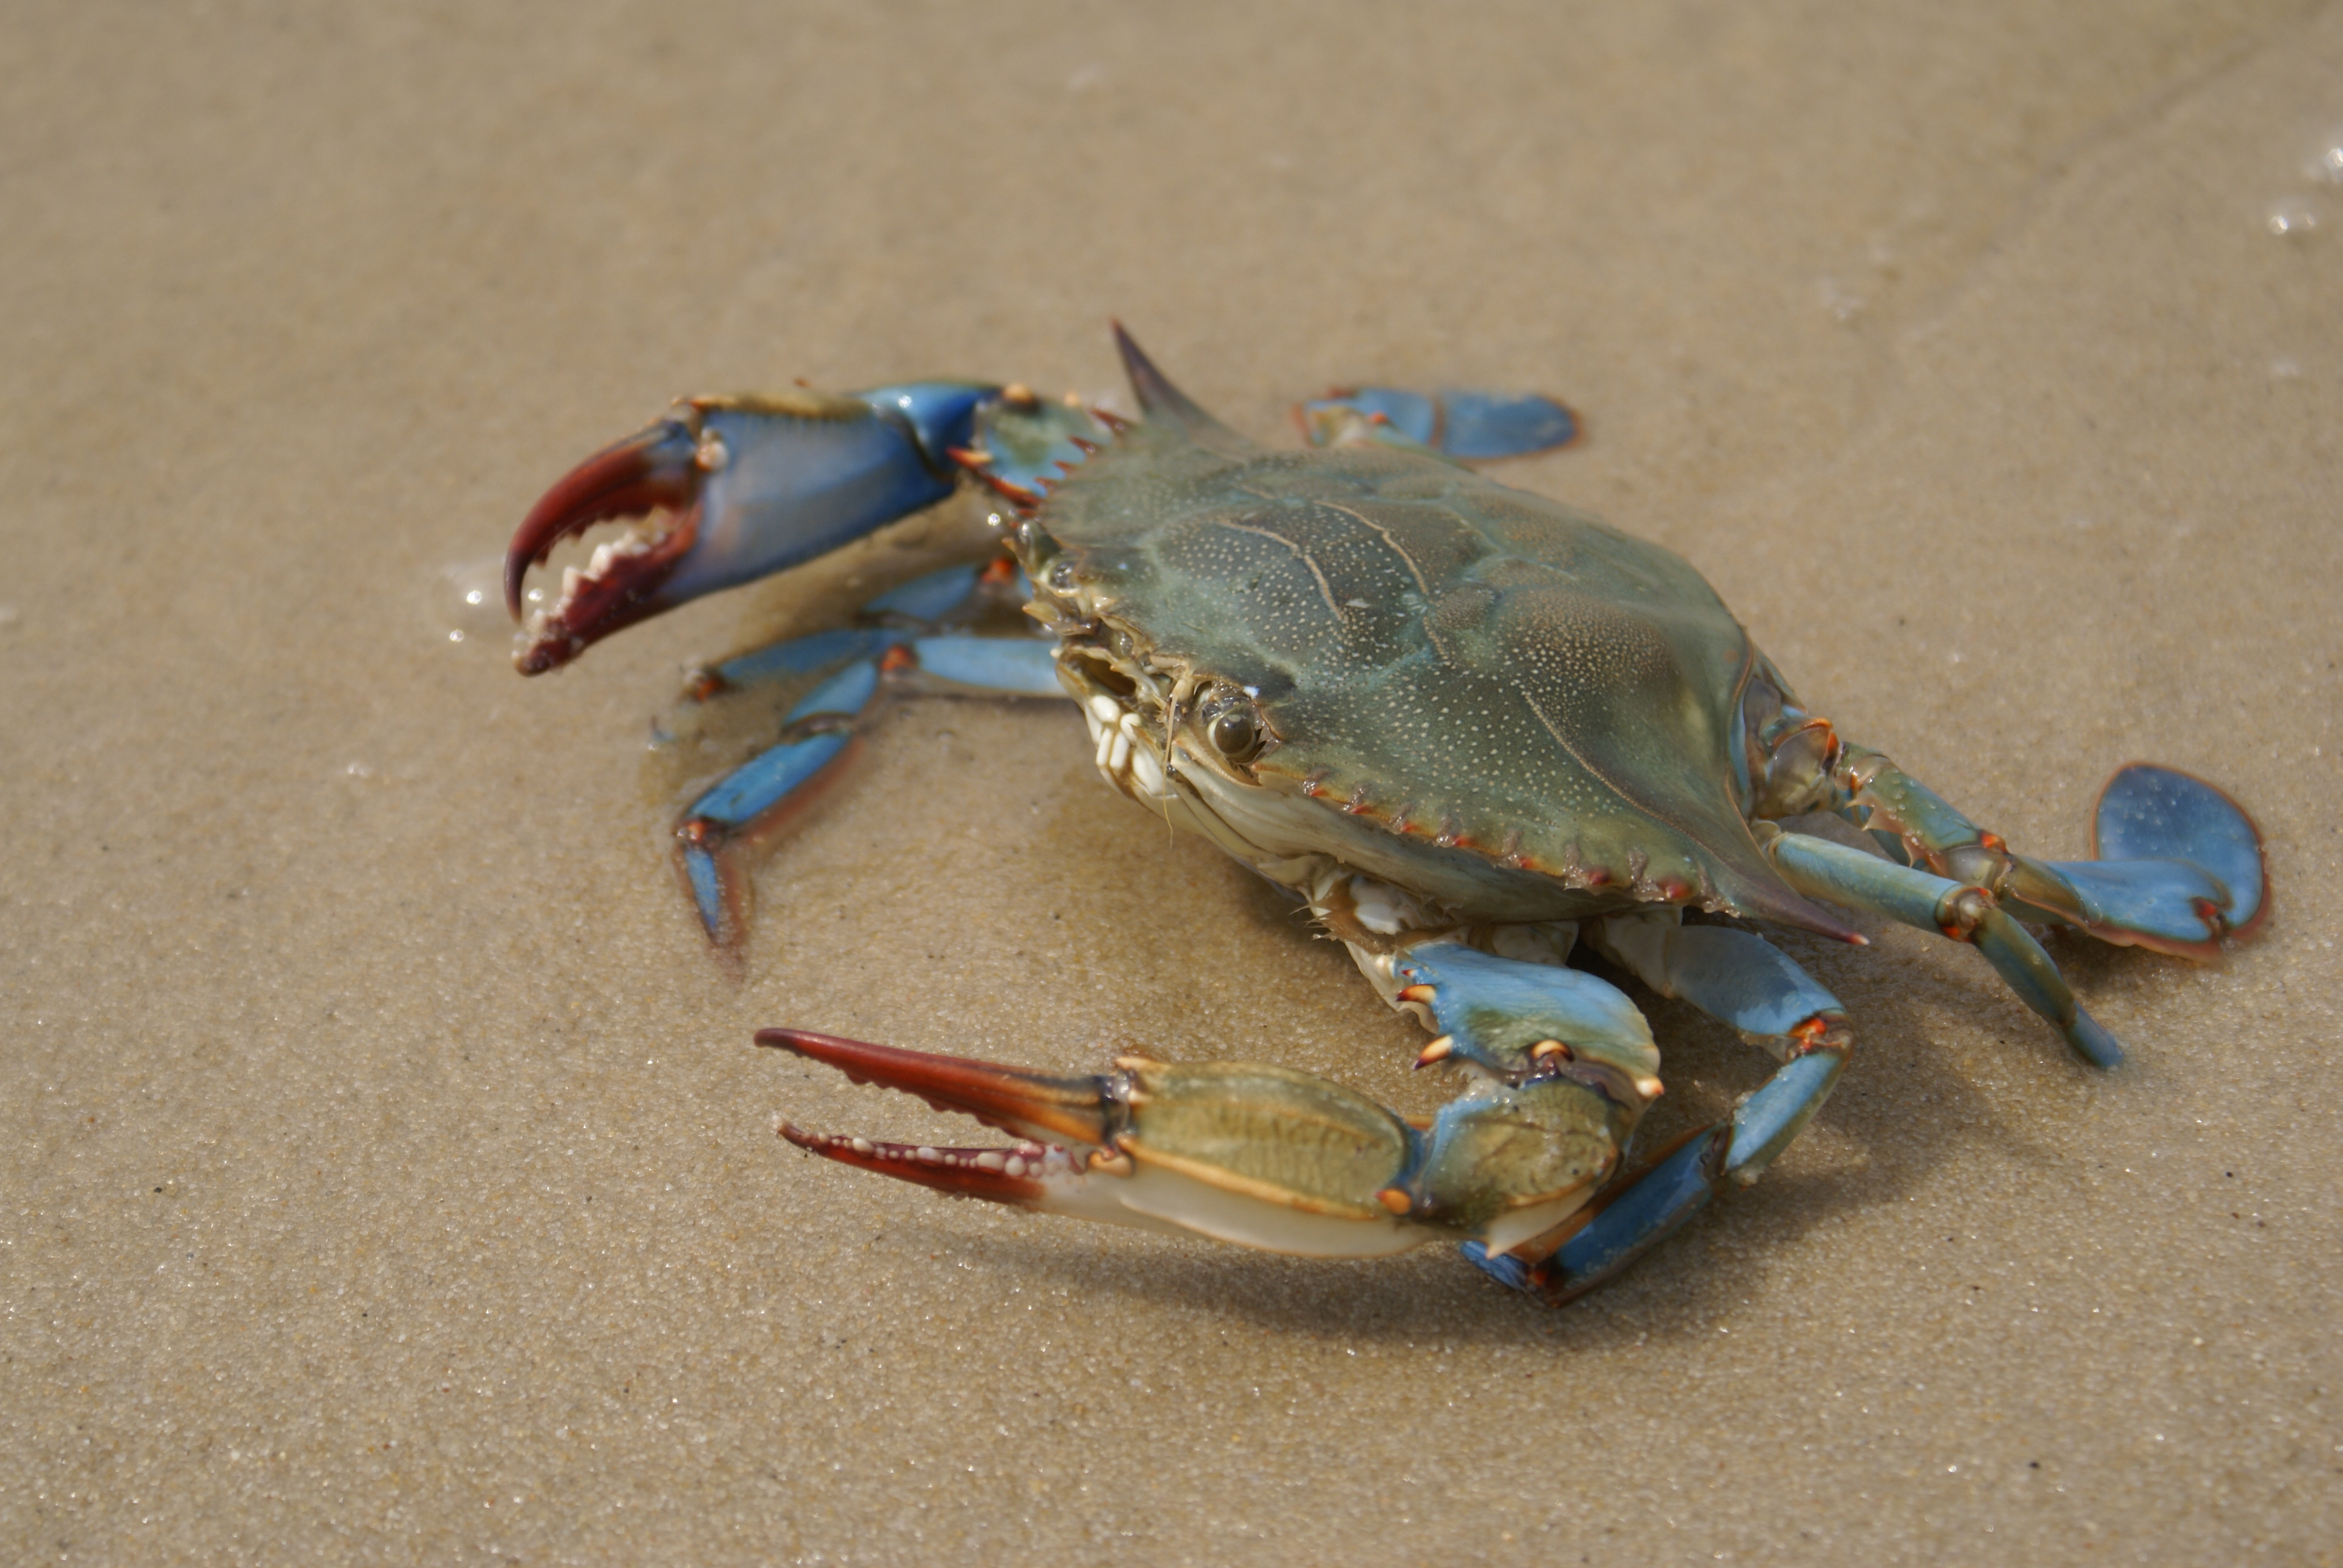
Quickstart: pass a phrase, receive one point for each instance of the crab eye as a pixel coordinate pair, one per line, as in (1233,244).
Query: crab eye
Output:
(1235,731)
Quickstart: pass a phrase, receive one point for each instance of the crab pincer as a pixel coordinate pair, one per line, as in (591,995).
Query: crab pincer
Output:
(1259,1155)
(725,490)
(1056,1120)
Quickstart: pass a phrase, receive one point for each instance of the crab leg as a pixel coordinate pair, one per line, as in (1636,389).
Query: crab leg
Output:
(892,619)
(1461,423)
(1261,1156)
(793,660)
(1640,1214)
(1744,981)
(2176,864)
(1734,976)
(962,665)
(737,487)
(1161,1147)
(907,617)
(1962,911)
(1505,1016)
(2158,835)
(1634,1214)
(726,832)
(1493,1006)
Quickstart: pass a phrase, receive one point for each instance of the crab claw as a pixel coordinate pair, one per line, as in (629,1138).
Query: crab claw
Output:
(1034,1107)
(1261,1156)
(657,469)
(1257,1155)
(730,489)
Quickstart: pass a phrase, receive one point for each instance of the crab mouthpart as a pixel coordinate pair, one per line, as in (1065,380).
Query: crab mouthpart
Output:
(651,479)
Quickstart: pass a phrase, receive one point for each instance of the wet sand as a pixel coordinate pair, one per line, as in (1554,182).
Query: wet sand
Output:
(389,1176)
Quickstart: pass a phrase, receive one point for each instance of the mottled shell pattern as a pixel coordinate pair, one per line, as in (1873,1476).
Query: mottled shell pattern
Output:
(1531,714)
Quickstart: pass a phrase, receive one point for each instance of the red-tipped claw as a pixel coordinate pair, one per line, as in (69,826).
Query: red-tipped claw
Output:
(1033,1105)
(1020,1175)
(1036,1107)
(657,470)
(1262,1156)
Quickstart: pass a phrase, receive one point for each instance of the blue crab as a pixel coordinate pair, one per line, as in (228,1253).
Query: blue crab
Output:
(1471,728)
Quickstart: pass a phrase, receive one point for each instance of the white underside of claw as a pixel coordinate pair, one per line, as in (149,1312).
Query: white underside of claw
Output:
(640,537)
(1514,1227)
(1156,1199)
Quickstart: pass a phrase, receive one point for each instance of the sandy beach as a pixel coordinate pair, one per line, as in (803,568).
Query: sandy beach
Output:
(389,1176)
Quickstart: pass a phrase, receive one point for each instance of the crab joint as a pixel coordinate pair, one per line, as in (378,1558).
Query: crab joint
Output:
(1823,1031)
(1962,911)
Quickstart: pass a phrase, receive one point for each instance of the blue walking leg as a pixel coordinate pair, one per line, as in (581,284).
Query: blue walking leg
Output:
(1636,1213)
(1640,1215)
(1506,1017)
(794,660)
(1734,976)
(929,604)
(2176,865)
(961,664)
(1962,911)
(1464,424)
(727,830)
(1746,981)
(1750,984)
(1532,1028)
